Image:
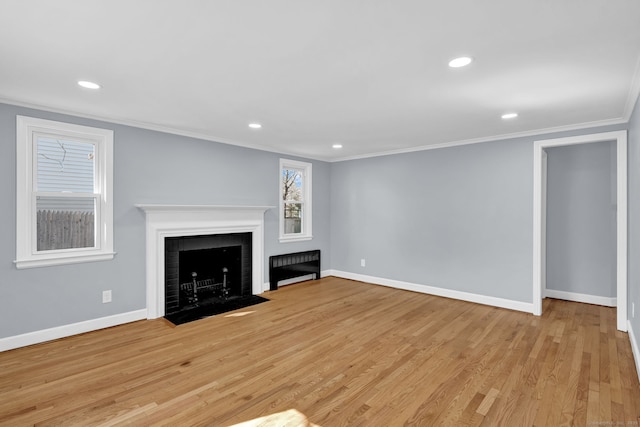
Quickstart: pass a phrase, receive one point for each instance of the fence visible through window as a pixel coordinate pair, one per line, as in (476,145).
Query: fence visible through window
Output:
(65,229)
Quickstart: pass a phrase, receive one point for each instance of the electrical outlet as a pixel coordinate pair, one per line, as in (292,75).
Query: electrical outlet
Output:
(363,262)
(106,296)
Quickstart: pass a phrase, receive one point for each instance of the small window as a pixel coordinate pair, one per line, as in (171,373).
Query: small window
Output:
(295,201)
(64,191)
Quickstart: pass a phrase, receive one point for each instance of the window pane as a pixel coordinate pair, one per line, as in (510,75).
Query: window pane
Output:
(292,185)
(65,223)
(292,218)
(64,165)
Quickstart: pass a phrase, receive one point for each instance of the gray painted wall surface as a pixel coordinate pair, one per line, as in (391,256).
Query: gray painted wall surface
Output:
(634,219)
(458,218)
(581,219)
(150,167)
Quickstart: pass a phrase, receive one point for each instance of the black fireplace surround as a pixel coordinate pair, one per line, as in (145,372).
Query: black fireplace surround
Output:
(206,270)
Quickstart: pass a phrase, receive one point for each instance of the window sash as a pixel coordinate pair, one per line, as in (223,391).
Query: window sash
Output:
(74,163)
(301,193)
(97,220)
(302,189)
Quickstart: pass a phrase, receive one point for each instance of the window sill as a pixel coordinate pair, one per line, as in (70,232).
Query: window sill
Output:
(289,239)
(60,260)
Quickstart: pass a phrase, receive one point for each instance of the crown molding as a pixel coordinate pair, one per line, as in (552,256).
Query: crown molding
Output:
(633,96)
(156,128)
(525,134)
(634,93)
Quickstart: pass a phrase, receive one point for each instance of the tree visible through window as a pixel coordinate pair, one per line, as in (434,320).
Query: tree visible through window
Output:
(295,204)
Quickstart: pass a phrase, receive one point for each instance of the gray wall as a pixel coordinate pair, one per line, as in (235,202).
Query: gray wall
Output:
(458,218)
(634,219)
(581,219)
(150,167)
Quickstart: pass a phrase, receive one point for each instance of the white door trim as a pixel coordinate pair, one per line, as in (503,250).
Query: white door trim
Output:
(539,215)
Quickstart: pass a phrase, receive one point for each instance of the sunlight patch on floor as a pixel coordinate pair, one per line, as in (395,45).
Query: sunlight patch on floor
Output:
(288,418)
(240,314)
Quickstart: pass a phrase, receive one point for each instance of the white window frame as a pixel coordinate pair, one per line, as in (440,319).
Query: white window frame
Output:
(27,255)
(307,230)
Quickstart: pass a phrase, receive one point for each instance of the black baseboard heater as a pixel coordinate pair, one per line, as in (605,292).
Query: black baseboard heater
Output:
(288,266)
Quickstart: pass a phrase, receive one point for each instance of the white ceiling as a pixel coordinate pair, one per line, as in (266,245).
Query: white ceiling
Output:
(369,74)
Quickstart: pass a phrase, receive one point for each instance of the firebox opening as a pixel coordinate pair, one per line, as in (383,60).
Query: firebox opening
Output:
(205,272)
(210,275)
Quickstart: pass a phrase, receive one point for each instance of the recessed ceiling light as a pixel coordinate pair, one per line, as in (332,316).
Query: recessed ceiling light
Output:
(88,85)
(255,125)
(336,146)
(510,116)
(460,62)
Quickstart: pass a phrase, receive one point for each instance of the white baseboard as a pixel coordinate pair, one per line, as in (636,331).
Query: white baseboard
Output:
(634,347)
(44,335)
(324,273)
(574,296)
(442,292)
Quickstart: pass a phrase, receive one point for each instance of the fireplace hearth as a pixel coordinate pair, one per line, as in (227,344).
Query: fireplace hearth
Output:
(202,311)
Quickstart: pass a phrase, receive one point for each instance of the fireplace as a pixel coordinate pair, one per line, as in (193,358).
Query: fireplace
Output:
(192,221)
(206,270)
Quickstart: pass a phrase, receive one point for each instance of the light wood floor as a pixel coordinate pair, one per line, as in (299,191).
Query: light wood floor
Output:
(335,352)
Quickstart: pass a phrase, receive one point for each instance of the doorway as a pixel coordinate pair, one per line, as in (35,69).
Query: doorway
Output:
(539,216)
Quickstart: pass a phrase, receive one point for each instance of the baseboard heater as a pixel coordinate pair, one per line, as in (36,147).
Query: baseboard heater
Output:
(288,266)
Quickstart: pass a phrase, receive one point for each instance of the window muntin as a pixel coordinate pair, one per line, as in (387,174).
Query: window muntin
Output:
(295,200)
(64,182)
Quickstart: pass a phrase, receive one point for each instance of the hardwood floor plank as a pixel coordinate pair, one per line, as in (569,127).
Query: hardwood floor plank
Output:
(334,352)
(470,415)
(487,402)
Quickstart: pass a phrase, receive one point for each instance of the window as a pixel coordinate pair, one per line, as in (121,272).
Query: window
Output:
(64,193)
(295,201)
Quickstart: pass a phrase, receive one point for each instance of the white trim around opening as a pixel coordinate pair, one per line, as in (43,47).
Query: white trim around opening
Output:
(539,215)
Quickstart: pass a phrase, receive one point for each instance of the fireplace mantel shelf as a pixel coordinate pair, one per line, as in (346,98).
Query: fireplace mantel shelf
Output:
(198,208)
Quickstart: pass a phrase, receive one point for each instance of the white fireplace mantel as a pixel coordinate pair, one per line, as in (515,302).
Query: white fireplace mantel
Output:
(193,220)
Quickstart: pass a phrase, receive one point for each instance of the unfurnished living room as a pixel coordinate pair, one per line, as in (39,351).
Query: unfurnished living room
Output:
(319,213)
